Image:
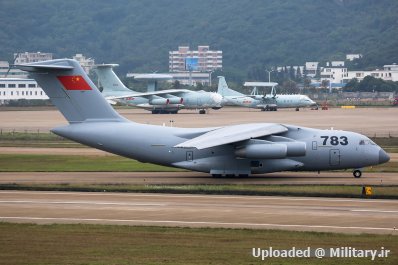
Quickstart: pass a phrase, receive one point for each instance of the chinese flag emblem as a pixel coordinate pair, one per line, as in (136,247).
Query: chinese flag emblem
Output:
(74,82)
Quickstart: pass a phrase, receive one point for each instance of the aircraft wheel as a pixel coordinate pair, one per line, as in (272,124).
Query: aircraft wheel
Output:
(297,109)
(216,175)
(174,112)
(262,109)
(243,175)
(202,111)
(155,111)
(357,173)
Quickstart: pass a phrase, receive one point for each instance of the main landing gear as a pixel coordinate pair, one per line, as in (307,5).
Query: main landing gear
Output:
(270,108)
(357,173)
(230,175)
(202,111)
(159,111)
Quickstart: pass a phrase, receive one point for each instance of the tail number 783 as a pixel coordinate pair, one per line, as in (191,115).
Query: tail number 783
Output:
(334,140)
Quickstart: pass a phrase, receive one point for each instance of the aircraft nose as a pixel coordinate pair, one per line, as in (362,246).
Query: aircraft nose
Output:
(383,157)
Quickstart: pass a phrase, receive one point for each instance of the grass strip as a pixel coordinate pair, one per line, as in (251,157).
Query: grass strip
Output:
(74,163)
(335,191)
(118,244)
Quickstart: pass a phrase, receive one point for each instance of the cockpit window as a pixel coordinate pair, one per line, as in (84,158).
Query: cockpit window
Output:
(366,142)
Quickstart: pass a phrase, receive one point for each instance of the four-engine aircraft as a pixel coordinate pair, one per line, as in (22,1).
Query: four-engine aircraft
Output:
(233,150)
(163,101)
(269,102)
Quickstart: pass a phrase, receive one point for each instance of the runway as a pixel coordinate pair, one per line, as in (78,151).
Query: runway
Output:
(170,178)
(287,213)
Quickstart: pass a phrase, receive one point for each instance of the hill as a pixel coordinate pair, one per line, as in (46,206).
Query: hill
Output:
(251,33)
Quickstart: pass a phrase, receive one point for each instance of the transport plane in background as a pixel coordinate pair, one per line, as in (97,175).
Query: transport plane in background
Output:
(235,150)
(163,101)
(270,102)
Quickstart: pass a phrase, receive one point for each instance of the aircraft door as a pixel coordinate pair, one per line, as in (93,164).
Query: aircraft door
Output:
(334,158)
(189,156)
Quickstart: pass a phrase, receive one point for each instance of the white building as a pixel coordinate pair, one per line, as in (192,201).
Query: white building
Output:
(352,57)
(17,88)
(387,75)
(32,57)
(391,67)
(311,68)
(295,67)
(335,64)
(86,63)
(6,71)
(335,75)
(202,60)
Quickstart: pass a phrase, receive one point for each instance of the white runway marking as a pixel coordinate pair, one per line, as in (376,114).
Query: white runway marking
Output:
(374,211)
(280,198)
(5,218)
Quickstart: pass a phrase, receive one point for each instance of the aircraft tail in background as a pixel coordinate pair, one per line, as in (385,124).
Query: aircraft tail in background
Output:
(224,90)
(110,82)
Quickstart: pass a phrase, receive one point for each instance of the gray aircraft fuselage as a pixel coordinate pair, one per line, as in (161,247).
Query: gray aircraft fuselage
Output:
(325,149)
(281,101)
(191,100)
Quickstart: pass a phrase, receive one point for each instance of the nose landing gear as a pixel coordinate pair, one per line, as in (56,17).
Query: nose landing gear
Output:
(357,173)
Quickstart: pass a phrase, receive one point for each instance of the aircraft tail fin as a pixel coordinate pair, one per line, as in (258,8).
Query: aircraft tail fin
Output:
(109,80)
(224,90)
(273,91)
(71,90)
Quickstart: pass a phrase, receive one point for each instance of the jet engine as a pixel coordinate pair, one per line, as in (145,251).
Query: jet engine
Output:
(261,149)
(159,101)
(175,100)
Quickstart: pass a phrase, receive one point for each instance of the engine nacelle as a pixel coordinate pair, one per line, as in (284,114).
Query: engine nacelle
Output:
(159,101)
(266,150)
(296,148)
(262,151)
(175,100)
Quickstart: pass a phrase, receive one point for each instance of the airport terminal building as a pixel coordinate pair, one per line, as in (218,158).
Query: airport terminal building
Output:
(18,88)
(202,60)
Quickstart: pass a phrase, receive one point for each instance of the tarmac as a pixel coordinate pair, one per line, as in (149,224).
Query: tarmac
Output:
(369,121)
(185,178)
(287,213)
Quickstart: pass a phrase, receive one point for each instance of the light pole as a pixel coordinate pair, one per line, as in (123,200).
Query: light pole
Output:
(210,77)
(269,75)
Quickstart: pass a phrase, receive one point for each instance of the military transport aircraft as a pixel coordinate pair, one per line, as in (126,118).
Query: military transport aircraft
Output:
(269,102)
(235,150)
(163,101)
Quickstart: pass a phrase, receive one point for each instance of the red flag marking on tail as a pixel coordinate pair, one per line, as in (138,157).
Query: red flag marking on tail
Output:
(74,82)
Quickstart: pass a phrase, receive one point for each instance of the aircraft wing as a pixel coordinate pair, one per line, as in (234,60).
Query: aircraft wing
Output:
(233,134)
(174,92)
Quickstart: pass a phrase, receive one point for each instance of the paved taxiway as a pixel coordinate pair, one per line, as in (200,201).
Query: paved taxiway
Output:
(291,213)
(369,121)
(170,178)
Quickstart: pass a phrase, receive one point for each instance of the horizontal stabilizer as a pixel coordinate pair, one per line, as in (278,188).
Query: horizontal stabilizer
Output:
(38,68)
(233,134)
